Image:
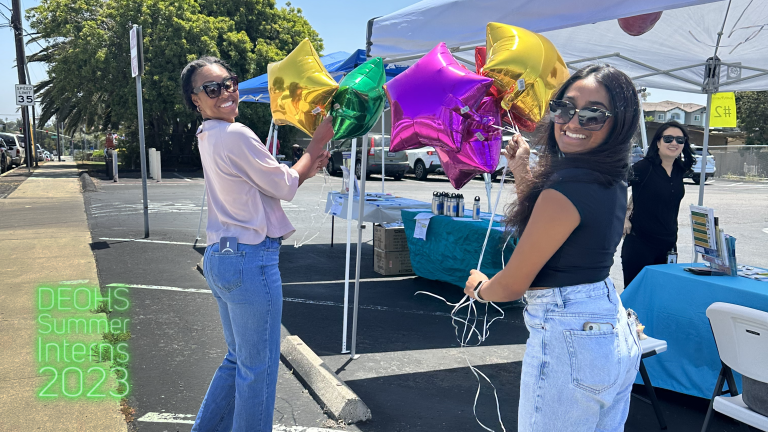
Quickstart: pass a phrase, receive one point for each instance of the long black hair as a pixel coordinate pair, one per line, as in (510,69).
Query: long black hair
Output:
(686,157)
(188,74)
(609,160)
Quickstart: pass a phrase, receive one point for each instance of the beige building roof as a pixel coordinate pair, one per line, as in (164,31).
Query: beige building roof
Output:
(668,105)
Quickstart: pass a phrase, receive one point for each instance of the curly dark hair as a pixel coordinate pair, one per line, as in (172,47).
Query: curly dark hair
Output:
(686,157)
(609,160)
(188,74)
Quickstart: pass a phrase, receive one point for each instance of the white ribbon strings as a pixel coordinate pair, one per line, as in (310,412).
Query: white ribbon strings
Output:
(317,210)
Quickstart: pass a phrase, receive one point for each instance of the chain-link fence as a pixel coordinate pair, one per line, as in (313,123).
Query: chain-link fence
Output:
(746,162)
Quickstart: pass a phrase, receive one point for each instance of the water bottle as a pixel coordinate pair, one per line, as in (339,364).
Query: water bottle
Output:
(476,209)
(455,206)
(435,202)
(441,204)
(460,212)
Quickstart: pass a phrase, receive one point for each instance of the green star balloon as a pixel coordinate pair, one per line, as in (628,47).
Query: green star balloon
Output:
(360,100)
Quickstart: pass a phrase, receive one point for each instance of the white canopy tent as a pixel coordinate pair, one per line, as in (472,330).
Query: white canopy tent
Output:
(671,56)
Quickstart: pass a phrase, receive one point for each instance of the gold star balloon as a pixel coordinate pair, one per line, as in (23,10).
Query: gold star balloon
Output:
(300,89)
(526,69)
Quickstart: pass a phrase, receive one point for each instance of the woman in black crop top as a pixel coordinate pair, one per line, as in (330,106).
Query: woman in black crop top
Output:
(657,189)
(582,353)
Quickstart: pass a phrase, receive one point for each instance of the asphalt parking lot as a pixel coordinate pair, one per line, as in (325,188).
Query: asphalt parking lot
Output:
(411,373)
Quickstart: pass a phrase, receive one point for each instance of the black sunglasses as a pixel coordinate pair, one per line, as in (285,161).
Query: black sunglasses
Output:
(678,139)
(591,119)
(213,89)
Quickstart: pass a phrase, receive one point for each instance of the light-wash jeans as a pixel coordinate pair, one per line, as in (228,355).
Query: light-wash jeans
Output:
(247,286)
(575,380)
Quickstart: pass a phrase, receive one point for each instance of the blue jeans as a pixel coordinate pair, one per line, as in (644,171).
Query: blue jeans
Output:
(247,286)
(575,380)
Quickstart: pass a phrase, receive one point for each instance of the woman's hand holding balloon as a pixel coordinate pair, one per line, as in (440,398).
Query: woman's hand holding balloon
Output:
(323,134)
(518,153)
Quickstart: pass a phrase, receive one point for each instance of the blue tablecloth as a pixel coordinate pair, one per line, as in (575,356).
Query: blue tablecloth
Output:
(453,247)
(672,305)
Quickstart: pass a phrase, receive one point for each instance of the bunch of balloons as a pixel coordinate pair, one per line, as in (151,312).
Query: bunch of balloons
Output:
(436,102)
(302,93)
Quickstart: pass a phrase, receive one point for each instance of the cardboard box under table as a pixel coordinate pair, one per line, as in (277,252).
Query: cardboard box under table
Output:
(391,256)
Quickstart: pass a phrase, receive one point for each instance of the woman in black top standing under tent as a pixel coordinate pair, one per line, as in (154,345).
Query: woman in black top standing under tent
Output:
(657,189)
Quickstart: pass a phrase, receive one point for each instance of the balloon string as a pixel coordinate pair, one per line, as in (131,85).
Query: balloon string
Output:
(316,210)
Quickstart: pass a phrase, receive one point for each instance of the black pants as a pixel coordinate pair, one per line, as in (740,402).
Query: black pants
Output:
(640,251)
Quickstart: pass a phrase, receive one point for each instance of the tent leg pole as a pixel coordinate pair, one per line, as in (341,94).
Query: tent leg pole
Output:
(274,144)
(383,156)
(643,132)
(488,187)
(364,164)
(350,203)
(703,172)
(269,134)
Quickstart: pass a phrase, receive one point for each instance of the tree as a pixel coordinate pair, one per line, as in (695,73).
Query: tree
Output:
(88,58)
(752,115)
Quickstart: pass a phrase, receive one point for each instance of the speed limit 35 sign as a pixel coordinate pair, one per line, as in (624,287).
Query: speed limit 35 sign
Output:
(25,94)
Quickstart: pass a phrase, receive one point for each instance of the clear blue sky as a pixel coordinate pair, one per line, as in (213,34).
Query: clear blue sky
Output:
(341,24)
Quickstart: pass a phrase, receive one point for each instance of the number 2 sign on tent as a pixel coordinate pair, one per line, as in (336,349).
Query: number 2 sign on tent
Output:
(25,94)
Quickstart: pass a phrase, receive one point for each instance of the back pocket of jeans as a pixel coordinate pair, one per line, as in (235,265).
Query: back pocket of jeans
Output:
(226,270)
(594,359)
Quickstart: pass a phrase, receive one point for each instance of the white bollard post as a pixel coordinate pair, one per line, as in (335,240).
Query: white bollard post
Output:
(158,167)
(114,165)
(151,160)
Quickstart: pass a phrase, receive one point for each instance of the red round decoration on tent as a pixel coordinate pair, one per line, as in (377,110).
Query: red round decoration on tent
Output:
(639,24)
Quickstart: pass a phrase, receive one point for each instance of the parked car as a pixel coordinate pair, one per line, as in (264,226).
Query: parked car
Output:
(396,162)
(15,149)
(40,153)
(423,161)
(709,166)
(635,154)
(3,156)
(533,159)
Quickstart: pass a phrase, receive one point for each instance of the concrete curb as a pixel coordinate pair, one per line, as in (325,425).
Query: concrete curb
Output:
(340,401)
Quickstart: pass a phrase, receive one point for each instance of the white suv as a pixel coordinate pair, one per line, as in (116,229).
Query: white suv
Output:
(15,149)
(423,161)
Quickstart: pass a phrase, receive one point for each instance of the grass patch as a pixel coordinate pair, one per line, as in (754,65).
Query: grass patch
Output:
(103,307)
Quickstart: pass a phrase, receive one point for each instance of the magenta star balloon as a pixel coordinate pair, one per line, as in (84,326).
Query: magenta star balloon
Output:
(431,101)
(480,147)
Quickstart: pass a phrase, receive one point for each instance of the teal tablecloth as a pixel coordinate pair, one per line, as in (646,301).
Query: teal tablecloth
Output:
(453,247)
(672,305)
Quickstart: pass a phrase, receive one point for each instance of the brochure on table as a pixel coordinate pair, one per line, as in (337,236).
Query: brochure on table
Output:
(715,246)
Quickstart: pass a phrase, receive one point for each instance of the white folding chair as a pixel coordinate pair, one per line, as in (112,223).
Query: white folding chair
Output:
(741,335)
(651,347)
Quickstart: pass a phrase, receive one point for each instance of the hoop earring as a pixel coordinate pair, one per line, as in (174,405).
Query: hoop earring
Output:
(198,108)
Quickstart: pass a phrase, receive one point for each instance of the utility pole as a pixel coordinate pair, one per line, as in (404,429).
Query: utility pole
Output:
(18,32)
(58,138)
(34,121)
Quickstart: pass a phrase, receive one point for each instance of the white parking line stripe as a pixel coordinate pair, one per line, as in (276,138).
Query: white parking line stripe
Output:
(181,177)
(150,241)
(733,184)
(158,287)
(155,417)
(287,299)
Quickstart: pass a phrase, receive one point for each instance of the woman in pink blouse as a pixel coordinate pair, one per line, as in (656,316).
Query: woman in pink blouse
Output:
(246,225)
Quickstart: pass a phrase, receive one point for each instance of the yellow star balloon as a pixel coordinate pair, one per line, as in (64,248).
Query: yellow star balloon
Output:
(526,69)
(300,89)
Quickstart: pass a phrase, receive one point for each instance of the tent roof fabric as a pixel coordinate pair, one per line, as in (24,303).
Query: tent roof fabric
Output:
(668,105)
(416,29)
(673,54)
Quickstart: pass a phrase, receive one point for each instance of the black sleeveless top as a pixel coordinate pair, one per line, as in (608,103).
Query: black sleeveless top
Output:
(587,254)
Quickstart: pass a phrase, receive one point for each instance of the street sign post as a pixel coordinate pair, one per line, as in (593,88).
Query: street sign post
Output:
(137,69)
(25,95)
